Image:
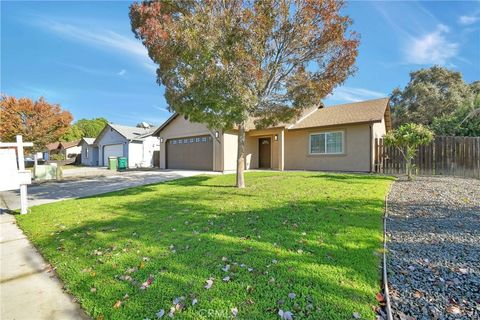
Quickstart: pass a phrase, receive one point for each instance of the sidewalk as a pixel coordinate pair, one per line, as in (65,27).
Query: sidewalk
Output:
(27,289)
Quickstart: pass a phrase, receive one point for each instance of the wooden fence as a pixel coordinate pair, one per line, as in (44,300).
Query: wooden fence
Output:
(453,156)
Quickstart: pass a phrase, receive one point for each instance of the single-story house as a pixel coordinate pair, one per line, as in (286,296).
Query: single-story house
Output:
(336,138)
(135,143)
(69,150)
(89,152)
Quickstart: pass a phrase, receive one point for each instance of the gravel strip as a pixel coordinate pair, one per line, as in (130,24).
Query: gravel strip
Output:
(433,259)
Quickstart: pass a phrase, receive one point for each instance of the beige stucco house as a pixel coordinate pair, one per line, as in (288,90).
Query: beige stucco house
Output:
(336,138)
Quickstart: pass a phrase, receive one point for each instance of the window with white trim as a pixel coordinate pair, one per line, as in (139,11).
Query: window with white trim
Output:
(326,143)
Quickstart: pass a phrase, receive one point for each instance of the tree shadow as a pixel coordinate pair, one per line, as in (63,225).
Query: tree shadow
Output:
(323,250)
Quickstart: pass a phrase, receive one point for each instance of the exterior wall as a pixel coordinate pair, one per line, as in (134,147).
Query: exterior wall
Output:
(110,136)
(252,148)
(251,158)
(356,156)
(140,154)
(72,150)
(135,155)
(150,145)
(179,127)
(230,150)
(92,159)
(379,129)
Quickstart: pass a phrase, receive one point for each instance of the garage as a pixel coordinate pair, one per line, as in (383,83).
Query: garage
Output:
(113,150)
(193,153)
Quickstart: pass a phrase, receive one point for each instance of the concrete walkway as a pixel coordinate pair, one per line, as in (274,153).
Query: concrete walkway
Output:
(28,288)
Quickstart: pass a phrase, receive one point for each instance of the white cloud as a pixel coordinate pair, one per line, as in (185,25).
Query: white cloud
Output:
(467,20)
(349,94)
(160,108)
(101,38)
(431,48)
(121,72)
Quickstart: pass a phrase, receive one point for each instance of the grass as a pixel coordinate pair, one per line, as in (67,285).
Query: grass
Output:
(316,235)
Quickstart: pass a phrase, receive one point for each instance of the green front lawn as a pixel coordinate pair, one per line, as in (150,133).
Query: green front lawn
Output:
(302,242)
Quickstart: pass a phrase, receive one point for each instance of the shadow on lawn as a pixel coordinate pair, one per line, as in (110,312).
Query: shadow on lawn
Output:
(325,251)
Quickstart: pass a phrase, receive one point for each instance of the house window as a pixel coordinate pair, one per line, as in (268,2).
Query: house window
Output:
(86,152)
(197,139)
(326,143)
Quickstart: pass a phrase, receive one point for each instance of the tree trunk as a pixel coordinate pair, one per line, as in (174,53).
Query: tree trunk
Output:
(241,156)
(409,169)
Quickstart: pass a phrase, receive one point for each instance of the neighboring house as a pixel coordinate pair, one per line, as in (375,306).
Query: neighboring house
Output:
(337,138)
(136,144)
(89,152)
(69,150)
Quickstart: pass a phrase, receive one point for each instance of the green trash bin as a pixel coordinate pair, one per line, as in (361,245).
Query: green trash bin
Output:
(112,163)
(122,163)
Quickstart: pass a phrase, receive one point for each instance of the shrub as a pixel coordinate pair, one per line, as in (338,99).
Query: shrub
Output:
(57,157)
(407,138)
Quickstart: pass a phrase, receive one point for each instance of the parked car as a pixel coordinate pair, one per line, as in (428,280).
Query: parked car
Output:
(29,162)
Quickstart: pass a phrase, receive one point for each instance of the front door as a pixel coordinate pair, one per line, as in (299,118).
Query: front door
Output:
(264,153)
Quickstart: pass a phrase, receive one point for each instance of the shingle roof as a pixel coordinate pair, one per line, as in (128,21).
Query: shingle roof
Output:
(319,116)
(349,113)
(133,133)
(70,144)
(52,146)
(250,125)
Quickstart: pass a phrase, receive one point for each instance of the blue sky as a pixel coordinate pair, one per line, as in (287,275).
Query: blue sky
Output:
(84,56)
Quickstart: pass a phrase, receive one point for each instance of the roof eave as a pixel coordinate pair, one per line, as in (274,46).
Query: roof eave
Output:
(338,125)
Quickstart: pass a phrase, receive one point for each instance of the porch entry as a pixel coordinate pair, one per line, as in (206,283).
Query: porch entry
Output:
(264,153)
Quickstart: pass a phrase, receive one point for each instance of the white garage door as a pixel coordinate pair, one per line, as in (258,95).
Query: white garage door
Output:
(114,150)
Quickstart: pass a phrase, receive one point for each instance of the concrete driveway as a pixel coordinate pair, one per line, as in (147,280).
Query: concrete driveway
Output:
(87,186)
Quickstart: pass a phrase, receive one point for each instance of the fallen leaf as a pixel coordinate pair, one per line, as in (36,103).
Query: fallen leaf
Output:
(234,311)
(292,295)
(285,315)
(209,283)
(463,270)
(357,315)
(147,283)
(194,302)
(117,304)
(453,309)
(226,279)
(93,290)
(226,268)
(379,297)
(418,294)
(160,313)
(172,312)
